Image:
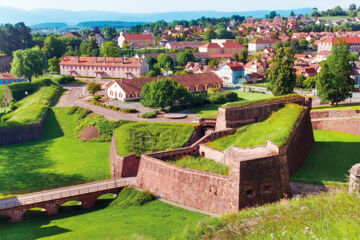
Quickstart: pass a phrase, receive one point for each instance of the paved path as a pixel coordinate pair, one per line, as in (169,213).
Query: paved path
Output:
(39,197)
(73,98)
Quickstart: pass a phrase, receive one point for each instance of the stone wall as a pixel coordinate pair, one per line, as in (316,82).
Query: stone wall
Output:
(126,166)
(26,133)
(233,117)
(348,125)
(335,114)
(212,153)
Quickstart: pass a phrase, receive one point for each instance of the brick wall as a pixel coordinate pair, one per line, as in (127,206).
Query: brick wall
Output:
(212,153)
(126,166)
(350,125)
(26,133)
(334,114)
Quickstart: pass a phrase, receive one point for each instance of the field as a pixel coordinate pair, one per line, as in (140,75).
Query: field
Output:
(58,159)
(332,215)
(333,18)
(331,157)
(153,220)
(211,110)
(201,164)
(256,134)
(151,137)
(348,106)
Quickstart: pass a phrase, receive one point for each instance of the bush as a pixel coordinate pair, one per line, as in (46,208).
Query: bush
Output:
(96,98)
(129,197)
(218,98)
(150,114)
(72,110)
(124,110)
(65,79)
(231,96)
(196,100)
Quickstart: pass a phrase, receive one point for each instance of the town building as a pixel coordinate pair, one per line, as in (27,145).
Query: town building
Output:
(127,89)
(326,45)
(255,67)
(261,44)
(231,73)
(104,67)
(136,40)
(73,34)
(219,48)
(8,78)
(184,45)
(5,63)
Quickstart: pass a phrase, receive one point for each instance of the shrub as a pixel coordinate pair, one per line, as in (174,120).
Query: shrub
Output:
(96,98)
(72,110)
(130,197)
(124,110)
(65,79)
(150,114)
(196,100)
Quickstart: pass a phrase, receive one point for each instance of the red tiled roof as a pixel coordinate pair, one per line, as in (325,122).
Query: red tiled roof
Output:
(233,45)
(236,66)
(139,37)
(265,41)
(100,61)
(187,80)
(7,76)
(212,45)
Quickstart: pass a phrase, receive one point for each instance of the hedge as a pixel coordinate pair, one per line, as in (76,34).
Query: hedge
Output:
(269,100)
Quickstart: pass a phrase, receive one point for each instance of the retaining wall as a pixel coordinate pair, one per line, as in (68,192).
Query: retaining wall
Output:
(335,114)
(20,134)
(348,125)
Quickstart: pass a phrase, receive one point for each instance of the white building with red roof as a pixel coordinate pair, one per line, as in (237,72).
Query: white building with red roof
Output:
(231,73)
(219,48)
(261,44)
(326,45)
(136,40)
(104,67)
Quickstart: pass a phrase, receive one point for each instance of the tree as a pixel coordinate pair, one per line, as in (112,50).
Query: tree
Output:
(352,7)
(272,14)
(224,34)
(184,57)
(278,45)
(165,61)
(83,47)
(292,14)
(54,64)
(334,82)
(163,93)
(314,13)
(28,63)
(110,49)
(310,82)
(281,75)
(209,34)
(92,48)
(93,87)
(300,81)
(236,57)
(243,56)
(109,33)
(213,62)
(14,37)
(53,47)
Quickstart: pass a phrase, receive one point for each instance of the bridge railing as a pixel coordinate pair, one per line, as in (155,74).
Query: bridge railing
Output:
(70,191)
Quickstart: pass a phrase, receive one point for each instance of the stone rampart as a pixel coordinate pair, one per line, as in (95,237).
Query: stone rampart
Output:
(335,114)
(348,125)
(20,134)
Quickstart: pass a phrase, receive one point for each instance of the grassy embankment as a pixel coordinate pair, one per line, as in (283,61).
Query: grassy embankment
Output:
(330,159)
(345,106)
(277,128)
(326,216)
(58,159)
(132,215)
(201,164)
(140,137)
(211,110)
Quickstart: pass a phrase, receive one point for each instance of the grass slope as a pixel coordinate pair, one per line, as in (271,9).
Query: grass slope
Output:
(347,106)
(201,164)
(211,110)
(151,220)
(141,137)
(331,157)
(2,95)
(277,128)
(58,159)
(327,216)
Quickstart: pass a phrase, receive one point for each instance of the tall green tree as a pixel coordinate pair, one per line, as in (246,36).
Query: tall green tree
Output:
(209,34)
(243,56)
(162,93)
(28,63)
(281,75)
(92,48)
(54,65)
(93,87)
(53,47)
(184,57)
(165,61)
(14,37)
(334,82)
(110,49)
(109,33)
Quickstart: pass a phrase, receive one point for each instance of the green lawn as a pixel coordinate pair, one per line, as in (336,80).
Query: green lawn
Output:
(331,157)
(333,18)
(142,137)
(277,128)
(201,164)
(346,106)
(154,220)
(326,216)
(211,110)
(58,159)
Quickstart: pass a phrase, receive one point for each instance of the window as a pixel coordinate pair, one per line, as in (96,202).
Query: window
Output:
(267,189)
(250,193)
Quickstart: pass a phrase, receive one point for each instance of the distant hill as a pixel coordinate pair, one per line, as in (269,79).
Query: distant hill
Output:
(115,24)
(49,26)
(37,16)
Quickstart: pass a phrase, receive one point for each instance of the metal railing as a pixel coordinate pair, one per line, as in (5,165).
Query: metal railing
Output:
(65,192)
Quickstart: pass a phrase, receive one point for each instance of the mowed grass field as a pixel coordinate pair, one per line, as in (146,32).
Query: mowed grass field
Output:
(58,159)
(331,157)
(277,128)
(211,110)
(122,219)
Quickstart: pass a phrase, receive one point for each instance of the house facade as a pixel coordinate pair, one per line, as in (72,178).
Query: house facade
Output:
(184,45)
(127,89)
(261,44)
(104,67)
(8,78)
(221,48)
(326,45)
(136,40)
(231,73)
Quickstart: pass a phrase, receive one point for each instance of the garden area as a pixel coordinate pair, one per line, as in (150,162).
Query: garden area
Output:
(330,159)
(201,164)
(142,137)
(133,215)
(211,110)
(58,159)
(277,128)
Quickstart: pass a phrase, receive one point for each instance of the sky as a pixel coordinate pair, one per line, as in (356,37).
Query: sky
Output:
(151,6)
